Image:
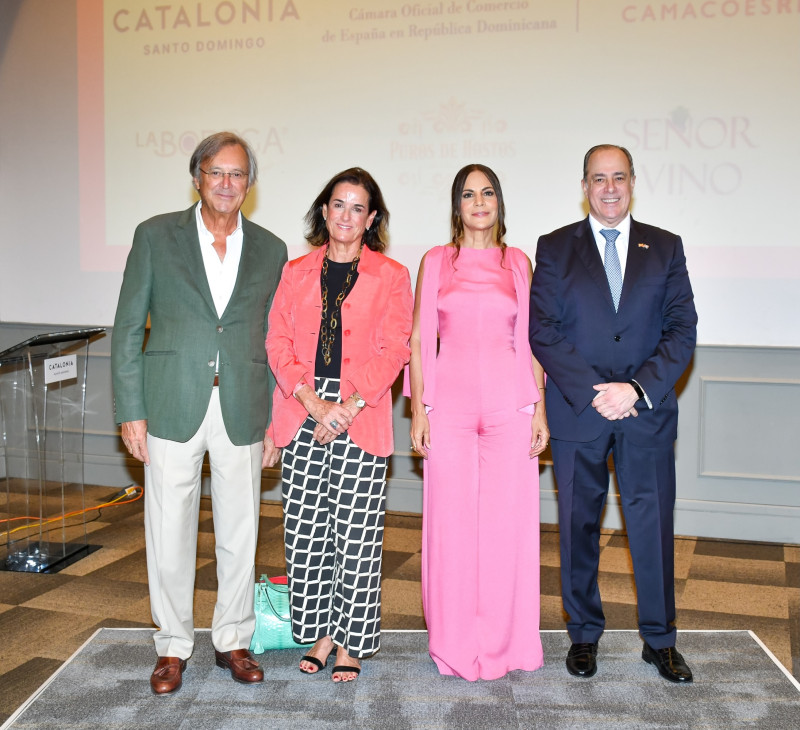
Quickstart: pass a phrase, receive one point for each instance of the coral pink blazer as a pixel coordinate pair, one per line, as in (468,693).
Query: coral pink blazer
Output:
(375,329)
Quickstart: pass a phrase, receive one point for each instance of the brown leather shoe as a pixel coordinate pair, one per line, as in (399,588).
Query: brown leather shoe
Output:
(168,675)
(244,668)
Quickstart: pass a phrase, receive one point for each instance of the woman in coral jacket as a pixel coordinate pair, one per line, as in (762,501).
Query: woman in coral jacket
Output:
(338,336)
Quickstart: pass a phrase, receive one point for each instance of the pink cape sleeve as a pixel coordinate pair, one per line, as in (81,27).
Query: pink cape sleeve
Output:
(429,327)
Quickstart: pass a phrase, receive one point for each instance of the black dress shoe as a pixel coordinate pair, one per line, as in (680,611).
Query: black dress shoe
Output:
(582,660)
(669,662)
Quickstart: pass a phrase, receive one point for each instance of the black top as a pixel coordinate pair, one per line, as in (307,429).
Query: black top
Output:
(337,273)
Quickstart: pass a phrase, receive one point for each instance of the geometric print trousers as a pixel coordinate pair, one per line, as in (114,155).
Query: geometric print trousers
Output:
(334,502)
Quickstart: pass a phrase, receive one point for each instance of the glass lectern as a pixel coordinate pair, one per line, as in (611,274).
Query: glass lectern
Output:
(42,406)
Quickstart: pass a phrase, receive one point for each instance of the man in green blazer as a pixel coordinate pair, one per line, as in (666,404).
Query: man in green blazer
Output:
(206,277)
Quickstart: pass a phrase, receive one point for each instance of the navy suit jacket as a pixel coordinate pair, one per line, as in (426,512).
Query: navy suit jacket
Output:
(580,340)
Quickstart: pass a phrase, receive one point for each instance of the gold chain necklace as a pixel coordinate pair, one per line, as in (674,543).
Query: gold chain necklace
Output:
(328,334)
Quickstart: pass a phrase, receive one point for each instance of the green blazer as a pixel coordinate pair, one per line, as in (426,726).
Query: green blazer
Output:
(170,383)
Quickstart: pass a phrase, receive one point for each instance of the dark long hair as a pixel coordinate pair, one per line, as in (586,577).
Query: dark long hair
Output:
(374,237)
(457,224)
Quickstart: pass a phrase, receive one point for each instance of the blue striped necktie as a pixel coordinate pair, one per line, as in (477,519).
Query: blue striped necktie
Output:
(611,264)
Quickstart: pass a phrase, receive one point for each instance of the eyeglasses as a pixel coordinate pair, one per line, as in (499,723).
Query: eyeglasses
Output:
(235,176)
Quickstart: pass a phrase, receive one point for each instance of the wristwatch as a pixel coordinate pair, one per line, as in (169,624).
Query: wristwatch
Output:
(358,400)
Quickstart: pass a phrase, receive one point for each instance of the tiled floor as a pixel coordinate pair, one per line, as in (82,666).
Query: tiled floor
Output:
(45,618)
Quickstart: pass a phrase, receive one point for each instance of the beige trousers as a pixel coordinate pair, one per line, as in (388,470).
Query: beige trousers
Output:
(172,505)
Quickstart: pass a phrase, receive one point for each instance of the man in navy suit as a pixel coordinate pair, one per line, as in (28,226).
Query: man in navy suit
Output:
(614,325)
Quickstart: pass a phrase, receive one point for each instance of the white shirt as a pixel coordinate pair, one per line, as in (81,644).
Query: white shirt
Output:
(621,243)
(221,275)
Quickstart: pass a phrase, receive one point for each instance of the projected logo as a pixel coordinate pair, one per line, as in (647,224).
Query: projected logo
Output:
(708,10)
(433,21)
(266,143)
(201,15)
(176,29)
(690,155)
(446,136)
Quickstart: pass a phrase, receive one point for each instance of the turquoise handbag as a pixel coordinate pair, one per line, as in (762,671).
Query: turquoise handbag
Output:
(273,624)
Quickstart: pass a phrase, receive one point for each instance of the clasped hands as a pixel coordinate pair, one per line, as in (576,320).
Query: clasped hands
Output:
(615,400)
(333,419)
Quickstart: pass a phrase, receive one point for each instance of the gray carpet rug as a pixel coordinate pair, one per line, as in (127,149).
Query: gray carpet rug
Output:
(738,683)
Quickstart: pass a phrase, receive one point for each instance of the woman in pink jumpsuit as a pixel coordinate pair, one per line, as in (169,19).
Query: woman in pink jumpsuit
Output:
(478,420)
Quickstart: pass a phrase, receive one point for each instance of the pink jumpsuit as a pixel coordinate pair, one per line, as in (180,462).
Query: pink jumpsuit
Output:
(480,553)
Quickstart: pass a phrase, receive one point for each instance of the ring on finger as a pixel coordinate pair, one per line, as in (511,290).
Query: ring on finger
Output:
(334,424)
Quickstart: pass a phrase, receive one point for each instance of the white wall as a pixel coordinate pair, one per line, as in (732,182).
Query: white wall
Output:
(101,102)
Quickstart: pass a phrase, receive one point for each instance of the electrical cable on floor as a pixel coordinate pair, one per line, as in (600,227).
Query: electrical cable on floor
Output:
(118,498)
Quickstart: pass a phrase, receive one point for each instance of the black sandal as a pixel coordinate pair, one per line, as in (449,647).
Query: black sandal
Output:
(341,668)
(316,662)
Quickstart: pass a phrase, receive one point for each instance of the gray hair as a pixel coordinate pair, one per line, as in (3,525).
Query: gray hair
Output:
(211,145)
(598,148)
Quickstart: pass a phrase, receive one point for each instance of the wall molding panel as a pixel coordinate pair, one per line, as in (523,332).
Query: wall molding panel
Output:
(735,442)
(737,453)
